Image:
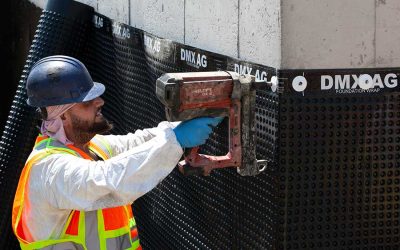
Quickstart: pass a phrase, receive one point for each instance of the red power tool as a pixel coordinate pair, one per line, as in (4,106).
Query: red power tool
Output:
(215,94)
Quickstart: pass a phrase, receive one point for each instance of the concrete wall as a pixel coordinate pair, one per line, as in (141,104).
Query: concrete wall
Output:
(164,18)
(245,29)
(340,34)
(290,34)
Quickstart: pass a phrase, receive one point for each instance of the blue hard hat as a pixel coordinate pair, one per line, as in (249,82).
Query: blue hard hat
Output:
(57,80)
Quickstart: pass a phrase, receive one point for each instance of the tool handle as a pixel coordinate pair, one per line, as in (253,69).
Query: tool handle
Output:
(187,170)
(191,152)
(190,156)
(187,151)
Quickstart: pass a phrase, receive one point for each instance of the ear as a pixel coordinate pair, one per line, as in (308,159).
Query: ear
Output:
(65,118)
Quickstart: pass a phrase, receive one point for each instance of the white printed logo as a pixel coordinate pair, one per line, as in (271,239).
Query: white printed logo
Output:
(98,21)
(347,84)
(120,31)
(194,59)
(152,44)
(203,92)
(246,70)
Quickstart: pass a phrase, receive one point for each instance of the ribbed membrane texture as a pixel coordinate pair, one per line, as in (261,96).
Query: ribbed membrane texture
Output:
(333,176)
(55,34)
(339,169)
(181,212)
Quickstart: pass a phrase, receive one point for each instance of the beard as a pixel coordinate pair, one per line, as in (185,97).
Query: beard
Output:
(86,130)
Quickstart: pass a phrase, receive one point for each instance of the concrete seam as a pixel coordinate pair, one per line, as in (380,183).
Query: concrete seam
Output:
(285,216)
(184,21)
(129,12)
(238,30)
(280,34)
(375,33)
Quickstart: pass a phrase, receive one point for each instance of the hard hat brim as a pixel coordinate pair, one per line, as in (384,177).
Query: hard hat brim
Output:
(96,91)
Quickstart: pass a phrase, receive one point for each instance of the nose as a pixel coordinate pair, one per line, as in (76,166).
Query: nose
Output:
(98,101)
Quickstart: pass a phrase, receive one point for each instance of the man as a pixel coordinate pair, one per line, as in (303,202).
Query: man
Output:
(77,186)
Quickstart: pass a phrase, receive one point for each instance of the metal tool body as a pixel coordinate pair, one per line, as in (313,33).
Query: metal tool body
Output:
(214,94)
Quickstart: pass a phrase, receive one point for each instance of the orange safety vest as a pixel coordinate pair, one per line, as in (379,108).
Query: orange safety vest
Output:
(116,226)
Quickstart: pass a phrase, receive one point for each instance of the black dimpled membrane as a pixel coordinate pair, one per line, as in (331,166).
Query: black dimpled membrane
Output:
(333,176)
(339,160)
(57,33)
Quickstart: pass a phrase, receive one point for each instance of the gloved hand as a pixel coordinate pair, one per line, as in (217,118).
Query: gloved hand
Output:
(195,132)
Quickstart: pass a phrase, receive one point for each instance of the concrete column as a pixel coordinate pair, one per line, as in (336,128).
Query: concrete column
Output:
(328,34)
(212,25)
(115,9)
(387,35)
(260,32)
(164,18)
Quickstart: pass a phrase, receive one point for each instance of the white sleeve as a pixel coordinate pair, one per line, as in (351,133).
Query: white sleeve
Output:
(122,143)
(69,182)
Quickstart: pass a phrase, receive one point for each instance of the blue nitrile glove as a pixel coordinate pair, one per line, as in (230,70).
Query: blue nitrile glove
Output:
(195,132)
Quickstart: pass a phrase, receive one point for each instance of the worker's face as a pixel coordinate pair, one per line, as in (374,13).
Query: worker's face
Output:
(86,120)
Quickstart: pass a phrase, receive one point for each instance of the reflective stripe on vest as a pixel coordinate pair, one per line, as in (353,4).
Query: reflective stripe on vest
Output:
(116,227)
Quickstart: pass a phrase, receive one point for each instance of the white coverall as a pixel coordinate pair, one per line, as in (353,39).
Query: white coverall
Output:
(60,183)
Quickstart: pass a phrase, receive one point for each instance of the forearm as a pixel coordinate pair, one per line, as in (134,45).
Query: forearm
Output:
(75,183)
(122,143)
